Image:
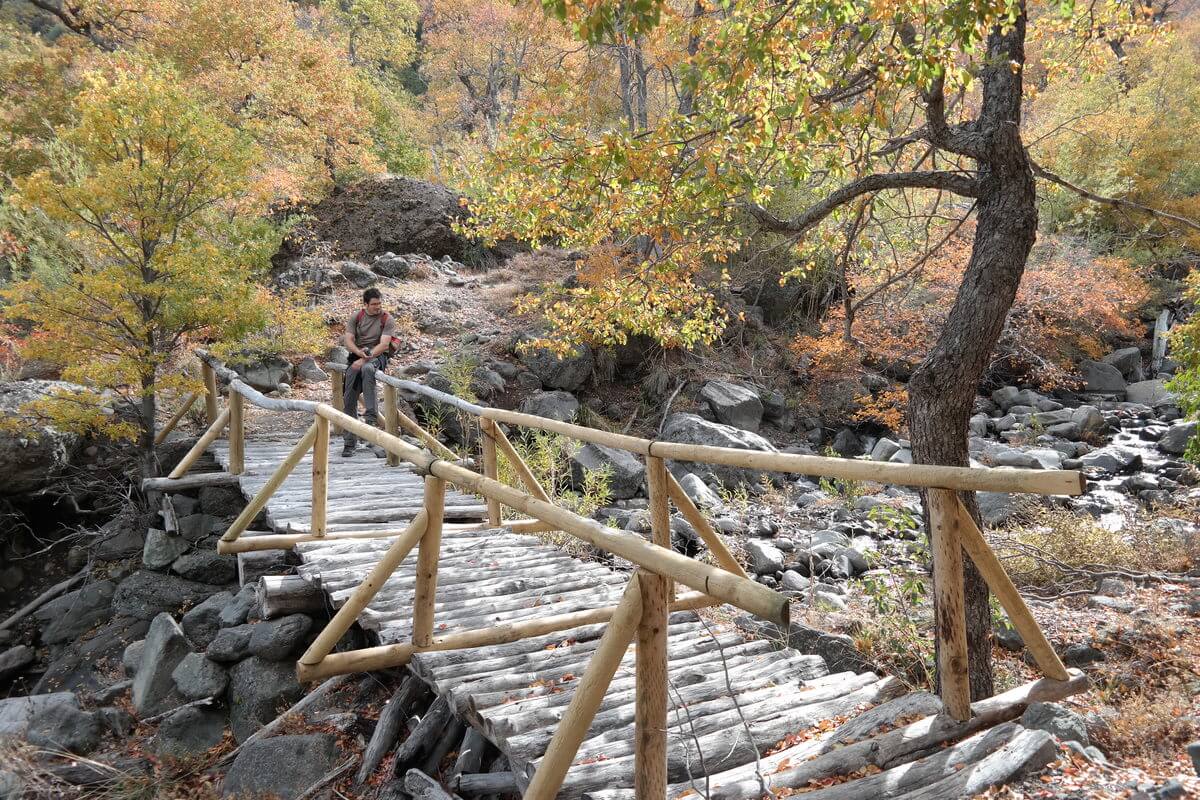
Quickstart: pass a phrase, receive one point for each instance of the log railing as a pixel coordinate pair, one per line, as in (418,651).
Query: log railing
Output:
(651,592)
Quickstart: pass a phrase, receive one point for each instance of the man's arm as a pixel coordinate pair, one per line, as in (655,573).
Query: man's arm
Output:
(353,347)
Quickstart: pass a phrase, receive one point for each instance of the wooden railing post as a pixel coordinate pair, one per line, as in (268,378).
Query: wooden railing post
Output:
(391,419)
(165,430)
(427,561)
(337,393)
(237,433)
(949,604)
(660,511)
(650,700)
(992,570)
(589,694)
(320,477)
(210,391)
(259,501)
(488,429)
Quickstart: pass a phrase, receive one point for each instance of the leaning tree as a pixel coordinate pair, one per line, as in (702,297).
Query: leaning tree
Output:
(798,114)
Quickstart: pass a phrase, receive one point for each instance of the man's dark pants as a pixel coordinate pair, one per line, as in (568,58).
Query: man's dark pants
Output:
(362,381)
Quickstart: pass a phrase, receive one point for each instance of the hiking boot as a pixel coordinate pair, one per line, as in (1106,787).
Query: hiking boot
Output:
(349,449)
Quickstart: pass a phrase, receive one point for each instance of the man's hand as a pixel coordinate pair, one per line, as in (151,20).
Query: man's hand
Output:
(358,362)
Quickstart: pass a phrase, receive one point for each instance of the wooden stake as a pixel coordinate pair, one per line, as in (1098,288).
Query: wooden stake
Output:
(366,591)
(237,434)
(660,512)
(206,439)
(427,562)
(950,614)
(998,581)
(573,727)
(518,463)
(210,391)
(337,382)
(174,420)
(391,419)
(650,704)
(488,428)
(716,544)
(320,476)
(397,655)
(259,501)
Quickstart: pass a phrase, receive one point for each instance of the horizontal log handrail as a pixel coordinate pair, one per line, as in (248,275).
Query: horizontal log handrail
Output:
(963,479)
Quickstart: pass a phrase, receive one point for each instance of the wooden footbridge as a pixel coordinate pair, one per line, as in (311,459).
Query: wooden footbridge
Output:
(532,647)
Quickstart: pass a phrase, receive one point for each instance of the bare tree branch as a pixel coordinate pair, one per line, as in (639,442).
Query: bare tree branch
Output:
(1115,202)
(957,182)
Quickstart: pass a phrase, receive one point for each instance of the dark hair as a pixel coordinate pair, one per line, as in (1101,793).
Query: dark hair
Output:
(372,294)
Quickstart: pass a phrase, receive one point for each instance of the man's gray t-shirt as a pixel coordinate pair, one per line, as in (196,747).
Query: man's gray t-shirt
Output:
(368,330)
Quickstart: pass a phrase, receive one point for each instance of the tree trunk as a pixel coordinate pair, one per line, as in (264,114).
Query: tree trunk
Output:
(148,411)
(942,389)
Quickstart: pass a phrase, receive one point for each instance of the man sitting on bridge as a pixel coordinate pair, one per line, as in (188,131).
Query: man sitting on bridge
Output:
(370,333)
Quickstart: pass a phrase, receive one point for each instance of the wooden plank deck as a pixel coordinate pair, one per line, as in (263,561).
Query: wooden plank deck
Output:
(745,717)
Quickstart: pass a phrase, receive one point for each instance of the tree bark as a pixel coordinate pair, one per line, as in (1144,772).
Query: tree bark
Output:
(149,464)
(943,387)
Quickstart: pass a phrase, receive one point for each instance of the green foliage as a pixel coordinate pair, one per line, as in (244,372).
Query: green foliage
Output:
(548,456)
(896,634)
(146,185)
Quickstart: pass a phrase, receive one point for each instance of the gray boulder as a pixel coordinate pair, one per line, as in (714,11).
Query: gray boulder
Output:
(265,373)
(279,638)
(626,472)
(221,501)
(356,274)
(202,623)
(691,429)
(884,449)
(733,404)
(153,685)
(258,691)
(65,727)
(997,508)
(15,660)
(17,712)
(197,527)
(567,373)
(281,766)
(162,548)
(189,732)
(73,614)
(847,444)
(561,406)
(230,644)
(1176,439)
(239,608)
(699,492)
(206,566)
(310,372)
(1111,459)
(1128,360)
(197,677)
(31,459)
(1100,377)
(146,594)
(1088,419)
(764,558)
(1057,720)
(1149,393)
(131,658)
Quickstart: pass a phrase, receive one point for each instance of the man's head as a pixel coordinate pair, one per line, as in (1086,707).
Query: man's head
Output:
(373,301)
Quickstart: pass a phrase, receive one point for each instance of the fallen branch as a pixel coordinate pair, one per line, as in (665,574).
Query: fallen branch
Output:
(328,778)
(43,598)
(274,725)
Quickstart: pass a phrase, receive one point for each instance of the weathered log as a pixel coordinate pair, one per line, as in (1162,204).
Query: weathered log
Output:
(391,721)
(470,752)
(255,564)
(483,783)
(423,787)
(189,482)
(424,737)
(451,735)
(280,595)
